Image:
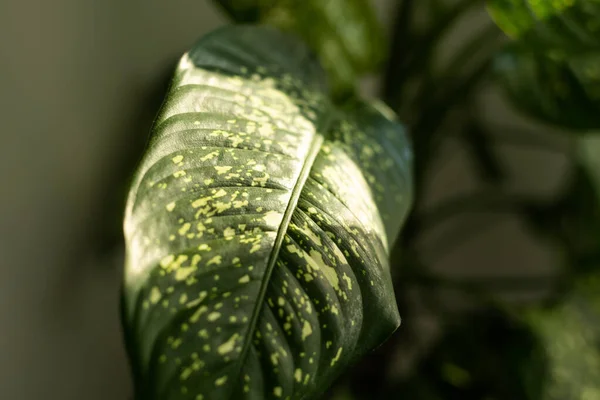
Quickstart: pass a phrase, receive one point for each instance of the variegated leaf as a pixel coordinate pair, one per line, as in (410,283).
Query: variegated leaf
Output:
(258,227)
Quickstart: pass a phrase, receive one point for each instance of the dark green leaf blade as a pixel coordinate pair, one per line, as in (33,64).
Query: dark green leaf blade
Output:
(557,27)
(256,254)
(564,93)
(345,33)
(370,135)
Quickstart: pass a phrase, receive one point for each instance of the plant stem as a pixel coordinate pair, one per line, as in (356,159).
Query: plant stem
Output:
(427,43)
(434,114)
(392,79)
(488,40)
(467,54)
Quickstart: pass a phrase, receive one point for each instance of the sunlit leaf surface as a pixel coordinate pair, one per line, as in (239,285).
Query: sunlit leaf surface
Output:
(258,227)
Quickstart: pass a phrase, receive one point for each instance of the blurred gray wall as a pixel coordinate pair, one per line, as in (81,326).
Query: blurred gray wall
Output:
(75,79)
(73,74)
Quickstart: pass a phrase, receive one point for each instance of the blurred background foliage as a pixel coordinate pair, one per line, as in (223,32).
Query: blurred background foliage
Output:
(549,69)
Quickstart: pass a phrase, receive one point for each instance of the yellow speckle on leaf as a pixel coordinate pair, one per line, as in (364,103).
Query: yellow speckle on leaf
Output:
(201,202)
(203,333)
(222,170)
(197,301)
(273,218)
(337,356)
(229,233)
(277,391)
(196,316)
(214,260)
(204,247)
(228,346)
(298,375)
(221,381)
(220,193)
(306,330)
(167,260)
(184,228)
(155,295)
(348,281)
(171,206)
(185,374)
(177,159)
(316,261)
(213,316)
(244,279)
(183,273)
(306,379)
(210,155)
(308,232)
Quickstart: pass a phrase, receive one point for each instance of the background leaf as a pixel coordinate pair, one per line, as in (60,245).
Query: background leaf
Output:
(257,256)
(570,334)
(503,360)
(558,27)
(564,93)
(345,33)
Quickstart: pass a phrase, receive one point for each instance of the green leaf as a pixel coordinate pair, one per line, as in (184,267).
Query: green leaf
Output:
(588,151)
(553,26)
(345,33)
(565,93)
(570,334)
(541,353)
(258,227)
(486,354)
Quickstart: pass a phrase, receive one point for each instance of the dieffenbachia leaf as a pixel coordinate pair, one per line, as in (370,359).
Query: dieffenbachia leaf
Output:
(552,26)
(258,227)
(565,93)
(345,33)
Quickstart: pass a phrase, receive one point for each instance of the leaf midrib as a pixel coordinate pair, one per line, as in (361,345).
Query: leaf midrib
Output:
(311,156)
